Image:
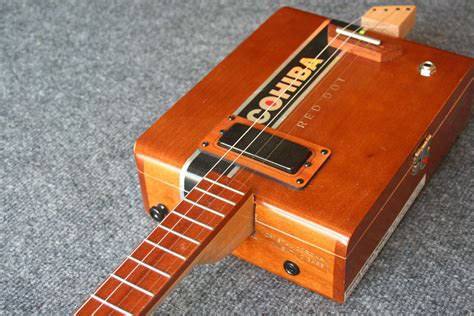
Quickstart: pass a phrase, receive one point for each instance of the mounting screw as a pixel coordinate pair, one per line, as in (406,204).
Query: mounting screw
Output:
(324,152)
(222,131)
(231,118)
(300,181)
(205,144)
(307,164)
(158,212)
(291,268)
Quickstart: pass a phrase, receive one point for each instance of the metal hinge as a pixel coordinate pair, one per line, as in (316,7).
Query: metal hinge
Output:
(421,157)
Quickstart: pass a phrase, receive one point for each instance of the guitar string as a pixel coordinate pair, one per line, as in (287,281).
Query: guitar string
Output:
(329,59)
(319,99)
(201,196)
(243,183)
(211,169)
(253,172)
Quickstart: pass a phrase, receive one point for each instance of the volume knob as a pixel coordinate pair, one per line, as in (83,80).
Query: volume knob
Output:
(158,212)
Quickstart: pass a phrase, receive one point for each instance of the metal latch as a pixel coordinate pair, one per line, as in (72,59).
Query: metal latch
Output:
(421,157)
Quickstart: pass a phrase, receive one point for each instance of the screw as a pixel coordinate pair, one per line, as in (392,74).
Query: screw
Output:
(205,144)
(324,152)
(231,118)
(300,181)
(307,164)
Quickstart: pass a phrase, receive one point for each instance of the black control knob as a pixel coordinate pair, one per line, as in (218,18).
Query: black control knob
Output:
(291,268)
(159,212)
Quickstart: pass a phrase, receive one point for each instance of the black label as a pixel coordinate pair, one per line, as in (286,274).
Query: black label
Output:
(283,89)
(277,95)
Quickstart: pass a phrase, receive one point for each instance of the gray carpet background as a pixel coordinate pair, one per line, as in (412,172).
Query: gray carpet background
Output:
(80,80)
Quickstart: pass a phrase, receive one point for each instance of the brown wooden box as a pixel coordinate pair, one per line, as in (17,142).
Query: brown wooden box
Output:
(373,116)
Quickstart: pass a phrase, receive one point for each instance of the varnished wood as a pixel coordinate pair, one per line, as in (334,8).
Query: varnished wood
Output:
(187,236)
(396,21)
(373,117)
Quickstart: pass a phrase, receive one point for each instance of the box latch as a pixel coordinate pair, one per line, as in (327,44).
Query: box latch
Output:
(421,157)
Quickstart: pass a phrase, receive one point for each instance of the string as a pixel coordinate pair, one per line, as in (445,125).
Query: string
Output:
(293,128)
(233,180)
(253,172)
(347,67)
(255,139)
(221,159)
(231,165)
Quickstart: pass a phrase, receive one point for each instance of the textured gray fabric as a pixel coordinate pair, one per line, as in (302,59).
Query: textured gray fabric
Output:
(80,80)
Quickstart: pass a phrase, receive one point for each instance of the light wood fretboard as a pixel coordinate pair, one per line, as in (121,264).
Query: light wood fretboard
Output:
(204,227)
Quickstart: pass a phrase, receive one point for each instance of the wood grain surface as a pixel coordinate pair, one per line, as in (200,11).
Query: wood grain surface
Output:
(372,115)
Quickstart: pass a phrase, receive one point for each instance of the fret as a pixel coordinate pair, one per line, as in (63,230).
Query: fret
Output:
(188,228)
(112,306)
(149,267)
(171,252)
(214,196)
(136,287)
(174,246)
(124,295)
(198,214)
(170,241)
(192,220)
(204,207)
(180,235)
(221,191)
(224,186)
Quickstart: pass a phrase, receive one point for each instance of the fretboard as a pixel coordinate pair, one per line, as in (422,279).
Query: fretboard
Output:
(188,235)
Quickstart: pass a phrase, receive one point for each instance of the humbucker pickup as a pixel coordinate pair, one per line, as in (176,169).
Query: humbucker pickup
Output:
(270,152)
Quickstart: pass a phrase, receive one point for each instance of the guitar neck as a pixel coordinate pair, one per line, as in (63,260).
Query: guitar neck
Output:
(204,227)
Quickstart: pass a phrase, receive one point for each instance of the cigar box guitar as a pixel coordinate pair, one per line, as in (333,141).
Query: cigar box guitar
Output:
(300,153)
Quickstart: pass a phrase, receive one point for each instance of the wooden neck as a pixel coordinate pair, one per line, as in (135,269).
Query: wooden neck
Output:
(207,225)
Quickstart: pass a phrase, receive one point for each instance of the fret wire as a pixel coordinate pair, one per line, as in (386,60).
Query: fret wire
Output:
(171,252)
(203,207)
(150,267)
(136,287)
(215,196)
(170,230)
(192,220)
(221,184)
(112,306)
